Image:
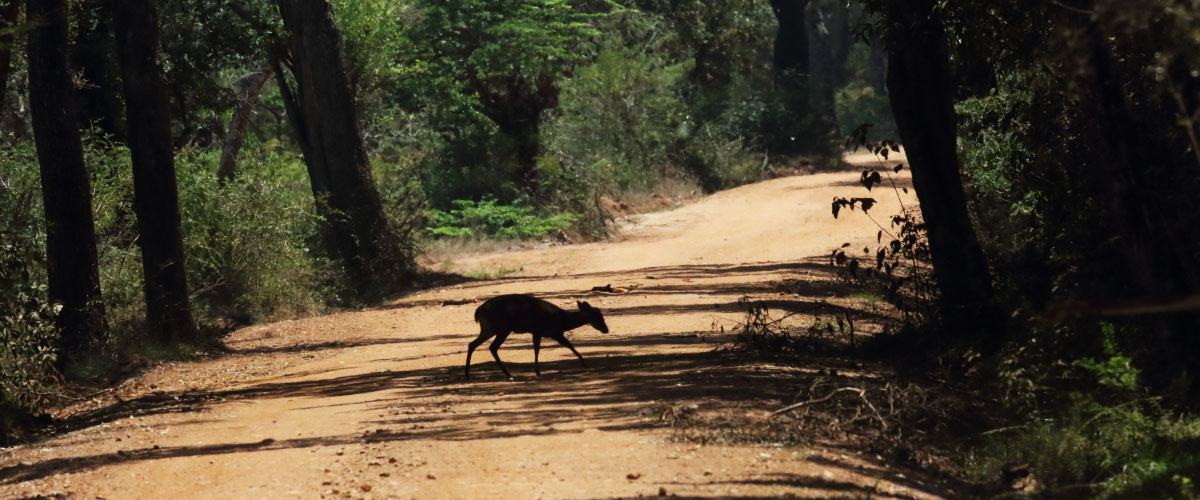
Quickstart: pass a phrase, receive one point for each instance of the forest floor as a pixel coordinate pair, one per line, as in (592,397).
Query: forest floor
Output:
(373,404)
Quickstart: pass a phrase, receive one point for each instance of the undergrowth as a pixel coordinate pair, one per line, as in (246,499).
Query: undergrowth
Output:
(489,218)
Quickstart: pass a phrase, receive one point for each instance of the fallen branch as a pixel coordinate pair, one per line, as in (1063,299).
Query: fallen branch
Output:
(788,408)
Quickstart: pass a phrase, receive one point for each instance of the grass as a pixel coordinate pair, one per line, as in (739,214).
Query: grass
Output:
(867,297)
(483,274)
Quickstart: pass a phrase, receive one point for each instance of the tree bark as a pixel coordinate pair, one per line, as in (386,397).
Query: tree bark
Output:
(156,196)
(830,46)
(66,194)
(9,10)
(921,93)
(252,86)
(791,68)
(326,122)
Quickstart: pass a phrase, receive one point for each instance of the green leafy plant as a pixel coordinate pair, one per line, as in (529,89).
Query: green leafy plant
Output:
(489,218)
(27,334)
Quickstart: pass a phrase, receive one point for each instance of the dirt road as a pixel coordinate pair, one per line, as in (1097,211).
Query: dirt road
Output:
(373,404)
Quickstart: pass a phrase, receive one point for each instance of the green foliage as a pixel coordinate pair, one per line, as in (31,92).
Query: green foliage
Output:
(249,244)
(643,117)
(488,218)
(483,46)
(27,335)
(1104,433)
(206,46)
(858,102)
(650,130)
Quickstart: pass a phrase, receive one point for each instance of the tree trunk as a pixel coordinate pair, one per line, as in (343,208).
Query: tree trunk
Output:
(921,93)
(517,113)
(156,197)
(248,96)
(99,104)
(9,10)
(66,193)
(791,67)
(877,60)
(322,110)
(830,46)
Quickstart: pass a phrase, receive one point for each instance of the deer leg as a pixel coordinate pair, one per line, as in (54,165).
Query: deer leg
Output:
(537,346)
(495,347)
(483,335)
(562,339)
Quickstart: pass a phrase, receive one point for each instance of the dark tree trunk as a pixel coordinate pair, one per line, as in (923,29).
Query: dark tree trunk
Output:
(251,88)
(156,198)
(791,68)
(66,193)
(922,98)
(99,104)
(517,113)
(322,110)
(9,10)
(830,46)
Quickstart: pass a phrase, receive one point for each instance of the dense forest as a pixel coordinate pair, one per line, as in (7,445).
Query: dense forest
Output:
(172,170)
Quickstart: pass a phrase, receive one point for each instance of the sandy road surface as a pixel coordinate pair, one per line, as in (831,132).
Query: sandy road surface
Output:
(373,404)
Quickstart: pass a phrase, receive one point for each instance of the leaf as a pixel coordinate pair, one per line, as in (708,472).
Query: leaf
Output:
(898,168)
(839,257)
(838,203)
(866,203)
(905,190)
(844,245)
(869,179)
(866,250)
(852,266)
(879,236)
(879,256)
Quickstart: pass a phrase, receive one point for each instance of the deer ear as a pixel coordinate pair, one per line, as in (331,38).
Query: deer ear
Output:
(584,305)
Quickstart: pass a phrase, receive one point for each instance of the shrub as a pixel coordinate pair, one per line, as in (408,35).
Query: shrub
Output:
(250,243)
(1105,434)
(489,218)
(620,116)
(27,334)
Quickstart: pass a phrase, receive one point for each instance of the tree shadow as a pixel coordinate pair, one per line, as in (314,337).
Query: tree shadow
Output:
(539,403)
(332,345)
(613,393)
(682,272)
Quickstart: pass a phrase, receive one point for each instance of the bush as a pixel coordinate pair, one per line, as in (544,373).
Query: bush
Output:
(488,218)
(629,119)
(621,118)
(27,335)
(857,103)
(1105,434)
(250,244)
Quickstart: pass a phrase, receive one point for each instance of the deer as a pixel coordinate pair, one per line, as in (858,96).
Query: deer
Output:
(521,313)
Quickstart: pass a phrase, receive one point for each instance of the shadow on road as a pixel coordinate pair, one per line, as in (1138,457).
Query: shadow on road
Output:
(626,373)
